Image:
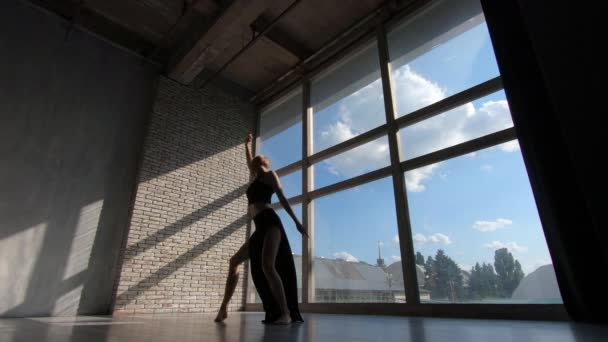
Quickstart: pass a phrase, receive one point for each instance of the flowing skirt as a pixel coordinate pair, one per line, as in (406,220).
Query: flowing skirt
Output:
(283,264)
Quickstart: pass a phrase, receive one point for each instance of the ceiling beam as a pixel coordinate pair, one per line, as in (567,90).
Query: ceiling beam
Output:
(344,43)
(230,24)
(78,14)
(280,39)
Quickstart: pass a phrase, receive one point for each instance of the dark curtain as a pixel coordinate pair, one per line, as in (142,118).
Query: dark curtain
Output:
(546,52)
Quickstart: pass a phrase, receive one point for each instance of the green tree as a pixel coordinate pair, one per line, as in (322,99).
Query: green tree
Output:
(430,277)
(448,278)
(508,271)
(476,282)
(419,259)
(518,275)
(488,281)
(482,282)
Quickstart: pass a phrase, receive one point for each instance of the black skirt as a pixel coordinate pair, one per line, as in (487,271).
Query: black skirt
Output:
(283,264)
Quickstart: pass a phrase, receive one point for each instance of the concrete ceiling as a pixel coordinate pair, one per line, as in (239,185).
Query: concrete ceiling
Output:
(199,36)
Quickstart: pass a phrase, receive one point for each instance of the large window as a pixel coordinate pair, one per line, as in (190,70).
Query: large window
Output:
(477,233)
(450,142)
(444,50)
(291,183)
(347,99)
(280,136)
(472,120)
(354,162)
(356,246)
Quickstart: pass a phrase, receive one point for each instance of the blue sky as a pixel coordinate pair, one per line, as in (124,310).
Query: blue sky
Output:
(468,206)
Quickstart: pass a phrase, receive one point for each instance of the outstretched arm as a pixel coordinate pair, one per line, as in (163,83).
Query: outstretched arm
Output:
(248,154)
(276,185)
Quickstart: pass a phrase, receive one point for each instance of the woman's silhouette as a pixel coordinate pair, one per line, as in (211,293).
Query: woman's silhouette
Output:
(272,268)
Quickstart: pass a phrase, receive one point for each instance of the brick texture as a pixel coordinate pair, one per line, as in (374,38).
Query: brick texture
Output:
(189,215)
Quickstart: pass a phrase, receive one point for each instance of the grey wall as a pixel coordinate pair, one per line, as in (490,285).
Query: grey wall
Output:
(189,214)
(72,119)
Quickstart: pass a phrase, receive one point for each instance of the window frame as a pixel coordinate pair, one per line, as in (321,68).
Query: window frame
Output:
(396,169)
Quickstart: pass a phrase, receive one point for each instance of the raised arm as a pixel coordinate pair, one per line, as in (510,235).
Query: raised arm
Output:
(248,154)
(276,185)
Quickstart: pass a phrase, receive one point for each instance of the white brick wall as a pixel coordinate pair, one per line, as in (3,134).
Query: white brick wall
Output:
(189,214)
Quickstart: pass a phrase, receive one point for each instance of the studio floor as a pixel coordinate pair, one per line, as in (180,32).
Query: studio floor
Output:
(317,327)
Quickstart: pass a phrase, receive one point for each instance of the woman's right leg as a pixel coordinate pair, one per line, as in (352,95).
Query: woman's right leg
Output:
(233,277)
(272,240)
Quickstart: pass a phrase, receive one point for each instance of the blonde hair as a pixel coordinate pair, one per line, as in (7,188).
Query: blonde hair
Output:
(259,161)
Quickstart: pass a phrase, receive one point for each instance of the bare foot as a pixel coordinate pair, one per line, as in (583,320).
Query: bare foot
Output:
(221,315)
(283,320)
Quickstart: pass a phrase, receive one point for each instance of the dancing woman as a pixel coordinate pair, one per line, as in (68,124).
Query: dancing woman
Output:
(272,268)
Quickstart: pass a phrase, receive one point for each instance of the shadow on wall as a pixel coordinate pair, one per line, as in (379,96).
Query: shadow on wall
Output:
(197,140)
(71,112)
(153,279)
(191,187)
(161,235)
(72,121)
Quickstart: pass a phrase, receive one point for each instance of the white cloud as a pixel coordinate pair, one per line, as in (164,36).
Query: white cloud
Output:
(364,109)
(367,157)
(361,112)
(491,226)
(414,179)
(345,256)
(486,168)
(396,239)
(420,239)
(511,146)
(465,267)
(498,110)
(511,246)
(338,132)
(531,267)
(440,238)
(436,238)
(396,258)
(413,91)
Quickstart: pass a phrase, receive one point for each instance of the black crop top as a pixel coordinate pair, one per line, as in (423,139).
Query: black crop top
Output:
(259,191)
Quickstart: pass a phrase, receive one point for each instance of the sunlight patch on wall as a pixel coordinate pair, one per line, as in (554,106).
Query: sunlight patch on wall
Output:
(84,238)
(16,264)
